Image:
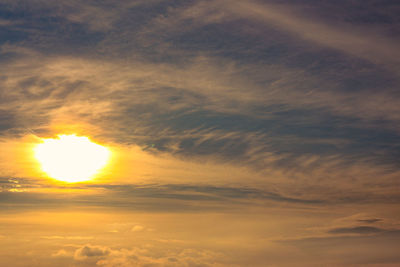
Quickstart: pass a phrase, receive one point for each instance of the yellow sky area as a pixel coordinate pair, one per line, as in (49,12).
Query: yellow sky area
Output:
(115,227)
(71,158)
(130,164)
(237,236)
(127,164)
(20,158)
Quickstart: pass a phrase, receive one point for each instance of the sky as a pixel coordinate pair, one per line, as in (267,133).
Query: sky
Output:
(242,133)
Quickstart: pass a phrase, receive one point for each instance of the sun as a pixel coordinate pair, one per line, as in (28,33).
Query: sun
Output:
(71,158)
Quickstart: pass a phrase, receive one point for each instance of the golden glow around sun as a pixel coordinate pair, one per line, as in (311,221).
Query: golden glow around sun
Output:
(71,158)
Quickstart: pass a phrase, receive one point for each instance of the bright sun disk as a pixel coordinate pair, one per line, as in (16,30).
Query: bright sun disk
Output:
(71,158)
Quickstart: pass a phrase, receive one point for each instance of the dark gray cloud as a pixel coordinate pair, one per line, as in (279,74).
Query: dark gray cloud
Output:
(20,194)
(7,121)
(91,251)
(169,112)
(357,230)
(234,83)
(15,194)
(370,221)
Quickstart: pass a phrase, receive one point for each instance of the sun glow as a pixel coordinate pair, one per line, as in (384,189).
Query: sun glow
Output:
(71,158)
